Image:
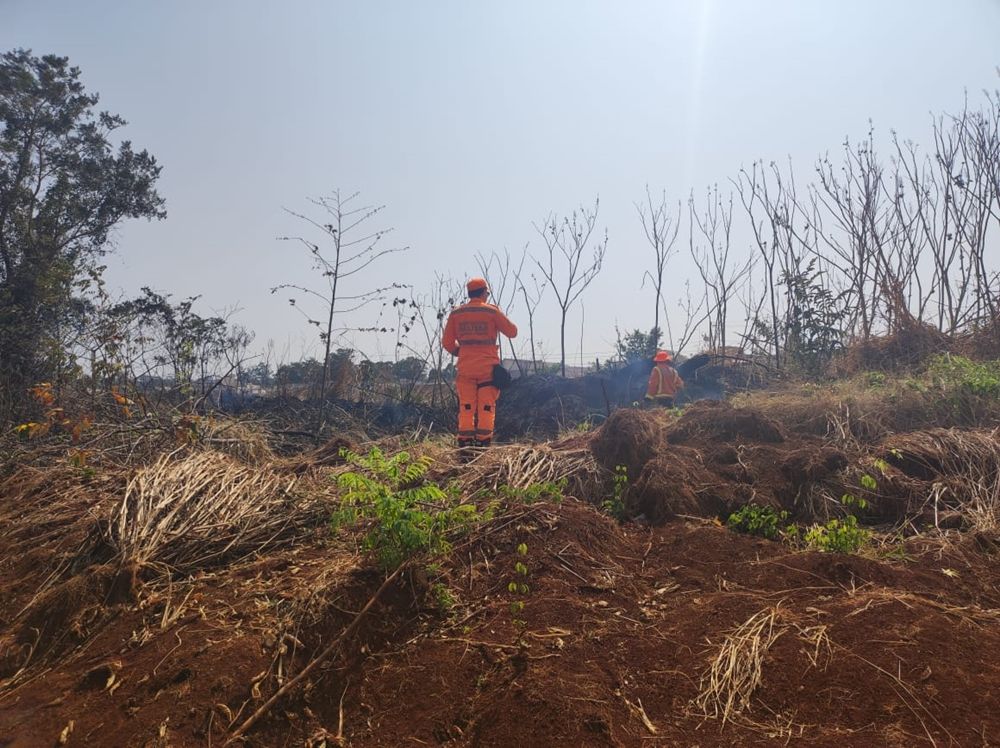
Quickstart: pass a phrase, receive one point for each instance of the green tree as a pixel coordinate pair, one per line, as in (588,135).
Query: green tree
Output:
(183,344)
(410,368)
(63,188)
(815,321)
(638,345)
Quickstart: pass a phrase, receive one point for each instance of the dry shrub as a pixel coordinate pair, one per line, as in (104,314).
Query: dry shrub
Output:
(716,420)
(629,437)
(205,508)
(982,342)
(959,467)
(910,344)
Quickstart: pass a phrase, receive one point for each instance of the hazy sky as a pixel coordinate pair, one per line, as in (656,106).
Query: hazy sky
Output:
(472,120)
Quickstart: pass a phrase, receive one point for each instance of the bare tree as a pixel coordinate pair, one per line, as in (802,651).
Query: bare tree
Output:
(353,247)
(864,228)
(695,314)
(432,315)
(501,275)
(945,202)
(783,232)
(660,227)
(532,296)
(714,260)
(753,190)
(564,269)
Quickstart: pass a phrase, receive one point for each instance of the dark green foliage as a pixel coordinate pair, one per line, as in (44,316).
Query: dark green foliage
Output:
(815,322)
(184,341)
(63,188)
(411,368)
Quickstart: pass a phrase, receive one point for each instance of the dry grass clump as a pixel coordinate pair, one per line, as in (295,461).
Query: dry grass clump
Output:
(198,510)
(945,391)
(735,672)
(728,685)
(964,466)
(844,413)
(522,466)
(244,440)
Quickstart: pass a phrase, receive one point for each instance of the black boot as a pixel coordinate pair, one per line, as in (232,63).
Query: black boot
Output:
(466,450)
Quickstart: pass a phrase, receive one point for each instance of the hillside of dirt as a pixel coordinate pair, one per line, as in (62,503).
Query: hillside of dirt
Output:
(165,603)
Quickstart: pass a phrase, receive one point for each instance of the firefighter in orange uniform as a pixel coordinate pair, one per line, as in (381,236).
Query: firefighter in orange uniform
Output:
(664,381)
(471,334)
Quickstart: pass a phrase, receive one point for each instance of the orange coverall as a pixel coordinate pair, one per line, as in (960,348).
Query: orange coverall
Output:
(471,334)
(664,383)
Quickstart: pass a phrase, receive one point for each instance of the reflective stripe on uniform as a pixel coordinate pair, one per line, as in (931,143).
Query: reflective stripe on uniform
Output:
(491,341)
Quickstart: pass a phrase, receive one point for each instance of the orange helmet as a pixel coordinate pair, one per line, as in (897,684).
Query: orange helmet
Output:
(477,284)
(662,356)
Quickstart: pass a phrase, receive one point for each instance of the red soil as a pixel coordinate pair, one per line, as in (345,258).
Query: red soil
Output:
(619,621)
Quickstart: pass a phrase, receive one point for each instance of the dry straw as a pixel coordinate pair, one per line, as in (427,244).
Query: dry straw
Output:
(736,671)
(968,459)
(521,466)
(205,508)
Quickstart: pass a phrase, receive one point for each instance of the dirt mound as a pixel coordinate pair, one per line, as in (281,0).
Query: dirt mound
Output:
(715,421)
(630,437)
(616,646)
(60,618)
(811,464)
(673,485)
(712,460)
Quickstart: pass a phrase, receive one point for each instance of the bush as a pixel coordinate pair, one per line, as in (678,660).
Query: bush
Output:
(754,519)
(838,536)
(408,514)
(959,375)
(961,386)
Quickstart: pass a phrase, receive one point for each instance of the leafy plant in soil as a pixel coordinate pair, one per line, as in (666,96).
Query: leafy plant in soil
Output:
(406,514)
(615,505)
(754,519)
(518,588)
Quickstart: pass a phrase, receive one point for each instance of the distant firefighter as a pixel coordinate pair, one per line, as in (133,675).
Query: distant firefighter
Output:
(471,334)
(664,381)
